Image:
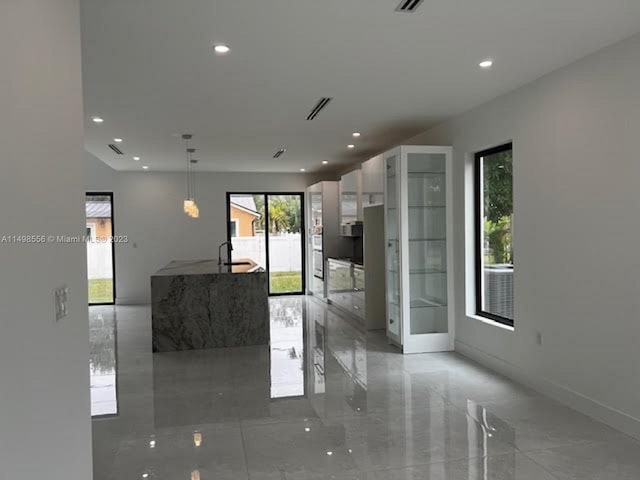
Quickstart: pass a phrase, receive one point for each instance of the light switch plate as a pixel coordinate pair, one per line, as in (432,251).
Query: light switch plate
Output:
(61,297)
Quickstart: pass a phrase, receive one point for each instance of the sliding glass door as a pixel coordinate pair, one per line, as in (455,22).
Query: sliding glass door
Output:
(268,228)
(285,244)
(100,248)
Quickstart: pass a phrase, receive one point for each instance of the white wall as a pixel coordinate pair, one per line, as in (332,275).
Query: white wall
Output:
(45,426)
(148,209)
(576,235)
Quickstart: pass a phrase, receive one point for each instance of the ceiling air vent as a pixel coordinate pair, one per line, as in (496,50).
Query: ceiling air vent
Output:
(324,101)
(115,149)
(279,153)
(409,6)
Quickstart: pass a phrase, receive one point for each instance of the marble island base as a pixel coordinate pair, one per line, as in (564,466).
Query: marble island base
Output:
(197,305)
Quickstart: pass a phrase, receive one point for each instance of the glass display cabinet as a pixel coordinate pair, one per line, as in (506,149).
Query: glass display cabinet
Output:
(418,231)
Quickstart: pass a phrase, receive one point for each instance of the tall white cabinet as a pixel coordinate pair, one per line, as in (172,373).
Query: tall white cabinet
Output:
(323,233)
(418,237)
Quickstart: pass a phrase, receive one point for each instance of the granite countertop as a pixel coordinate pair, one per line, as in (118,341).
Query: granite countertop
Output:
(205,267)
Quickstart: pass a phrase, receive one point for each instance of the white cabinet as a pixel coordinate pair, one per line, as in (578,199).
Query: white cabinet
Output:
(373,181)
(346,287)
(418,235)
(351,197)
(323,233)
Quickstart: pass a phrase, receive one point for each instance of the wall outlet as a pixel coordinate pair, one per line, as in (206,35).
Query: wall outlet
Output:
(539,338)
(61,297)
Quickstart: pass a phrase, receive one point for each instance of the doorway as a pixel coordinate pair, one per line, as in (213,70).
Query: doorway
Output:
(268,228)
(100,248)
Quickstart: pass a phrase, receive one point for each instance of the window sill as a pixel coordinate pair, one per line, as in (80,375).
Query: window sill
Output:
(493,323)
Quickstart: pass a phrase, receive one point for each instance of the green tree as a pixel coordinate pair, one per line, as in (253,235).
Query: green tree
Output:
(284,213)
(278,219)
(498,206)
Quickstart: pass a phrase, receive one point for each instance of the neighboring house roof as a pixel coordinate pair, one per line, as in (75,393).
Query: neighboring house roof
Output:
(246,203)
(98,209)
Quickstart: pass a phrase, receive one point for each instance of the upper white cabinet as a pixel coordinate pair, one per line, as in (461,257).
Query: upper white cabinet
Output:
(351,197)
(373,181)
(418,236)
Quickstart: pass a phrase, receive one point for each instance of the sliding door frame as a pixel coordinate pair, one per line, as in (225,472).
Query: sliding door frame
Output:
(113,247)
(303,259)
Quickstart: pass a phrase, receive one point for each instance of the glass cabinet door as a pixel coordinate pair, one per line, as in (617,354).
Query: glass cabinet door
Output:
(392,205)
(427,229)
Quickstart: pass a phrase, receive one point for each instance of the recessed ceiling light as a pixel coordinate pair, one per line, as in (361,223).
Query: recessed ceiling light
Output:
(145,475)
(488,63)
(145,167)
(97,119)
(324,162)
(117,140)
(136,158)
(351,146)
(355,134)
(303,170)
(221,49)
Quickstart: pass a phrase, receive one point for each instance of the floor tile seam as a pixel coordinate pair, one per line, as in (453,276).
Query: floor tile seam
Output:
(244,451)
(142,437)
(370,469)
(443,462)
(290,422)
(535,462)
(581,444)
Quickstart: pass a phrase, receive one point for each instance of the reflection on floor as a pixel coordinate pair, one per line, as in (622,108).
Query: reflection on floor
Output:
(102,363)
(327,402)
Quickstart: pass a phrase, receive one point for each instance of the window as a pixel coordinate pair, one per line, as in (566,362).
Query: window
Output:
(91,232)
(494,229)
(234,227)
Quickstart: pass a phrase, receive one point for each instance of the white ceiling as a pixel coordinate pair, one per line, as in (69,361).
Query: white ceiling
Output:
(150,72)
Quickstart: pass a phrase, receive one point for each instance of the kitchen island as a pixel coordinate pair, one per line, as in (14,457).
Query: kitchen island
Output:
(199,304)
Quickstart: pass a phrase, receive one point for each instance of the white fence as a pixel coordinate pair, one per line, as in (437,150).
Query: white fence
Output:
(99,260)
(285,251)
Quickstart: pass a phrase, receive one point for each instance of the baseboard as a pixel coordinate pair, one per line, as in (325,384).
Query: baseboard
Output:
(586,405)
(132,301)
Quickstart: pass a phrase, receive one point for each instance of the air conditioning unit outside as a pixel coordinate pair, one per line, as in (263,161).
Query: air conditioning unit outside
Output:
(498,290)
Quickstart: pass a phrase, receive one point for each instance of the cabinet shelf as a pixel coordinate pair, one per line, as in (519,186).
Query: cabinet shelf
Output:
(424,303)
(421,303)
(428,239)
(422,271)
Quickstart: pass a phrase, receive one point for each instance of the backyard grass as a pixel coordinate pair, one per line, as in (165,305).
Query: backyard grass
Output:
(100,290)
(285,282)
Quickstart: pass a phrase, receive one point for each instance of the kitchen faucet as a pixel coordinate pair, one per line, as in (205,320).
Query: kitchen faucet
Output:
(230,249)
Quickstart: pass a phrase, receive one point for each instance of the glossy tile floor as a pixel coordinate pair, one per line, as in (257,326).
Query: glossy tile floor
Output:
(326,402)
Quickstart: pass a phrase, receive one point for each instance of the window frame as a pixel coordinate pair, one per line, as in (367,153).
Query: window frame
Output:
(478,219)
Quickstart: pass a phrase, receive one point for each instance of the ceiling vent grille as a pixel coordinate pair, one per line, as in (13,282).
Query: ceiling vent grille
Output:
(279,153)
(115,149)
(409,6)
(321,105)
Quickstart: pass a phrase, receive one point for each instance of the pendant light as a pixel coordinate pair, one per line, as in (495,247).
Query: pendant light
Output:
(189,204)
(195,211)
